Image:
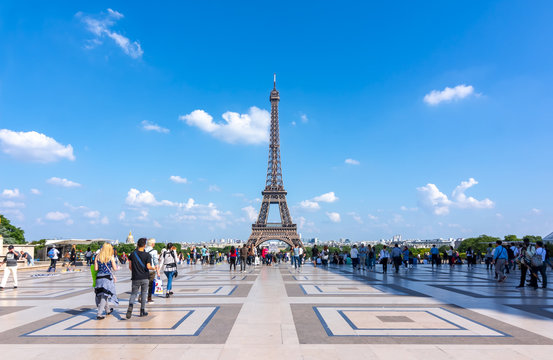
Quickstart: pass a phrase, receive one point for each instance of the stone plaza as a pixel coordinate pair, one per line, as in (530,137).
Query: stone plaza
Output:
(277,312)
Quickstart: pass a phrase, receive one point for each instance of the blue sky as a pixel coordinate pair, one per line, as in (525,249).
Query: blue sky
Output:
(425,120)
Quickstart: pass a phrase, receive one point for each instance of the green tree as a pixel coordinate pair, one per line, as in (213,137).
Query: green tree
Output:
(478,244)
(511,238)
(532,238)
(10,233)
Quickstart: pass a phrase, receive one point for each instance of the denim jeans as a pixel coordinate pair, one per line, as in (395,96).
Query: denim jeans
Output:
(141,285)
(297,263)
(169,275)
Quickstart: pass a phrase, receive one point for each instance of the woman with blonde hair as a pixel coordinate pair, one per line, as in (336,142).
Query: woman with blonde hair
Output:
(105,264)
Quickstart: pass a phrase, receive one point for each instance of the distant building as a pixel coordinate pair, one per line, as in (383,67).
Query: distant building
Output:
(130,239)
(548,238)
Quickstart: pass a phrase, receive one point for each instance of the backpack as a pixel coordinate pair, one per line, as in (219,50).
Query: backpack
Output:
(510,253)
(536,260)
(51,253)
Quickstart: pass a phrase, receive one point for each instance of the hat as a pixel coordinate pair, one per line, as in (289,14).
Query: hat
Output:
(10,247)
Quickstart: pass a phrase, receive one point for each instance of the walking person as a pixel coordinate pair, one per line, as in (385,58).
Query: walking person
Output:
(354,254)
(526,253)
(396,257)
(470,257)
(53,255)
(489,256)
(362,257)
(88,257)
(371,258)
(140,264)
(500,259)
(297,263)
(243,257)
(314,255)
(168,264)
(105,265)
(232,258)
(435,253)
(539,266)
(406,256)
(384,258)
(11,266)
(155,267)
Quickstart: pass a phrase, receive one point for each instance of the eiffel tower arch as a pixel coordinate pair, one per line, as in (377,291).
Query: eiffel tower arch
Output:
(274,192)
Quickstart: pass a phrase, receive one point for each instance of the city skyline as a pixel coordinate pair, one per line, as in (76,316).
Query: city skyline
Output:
(422,121)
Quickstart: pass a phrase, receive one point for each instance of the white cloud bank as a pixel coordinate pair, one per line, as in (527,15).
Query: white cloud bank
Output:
(100,25)
(56,216)
(313,204)
(250,128)
(150,126)
(448,94)
(250,211)
(431,198)
(62,182)
(33,146)
(146,198)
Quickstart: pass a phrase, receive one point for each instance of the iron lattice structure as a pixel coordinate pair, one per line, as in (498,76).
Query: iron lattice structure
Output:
(274,192)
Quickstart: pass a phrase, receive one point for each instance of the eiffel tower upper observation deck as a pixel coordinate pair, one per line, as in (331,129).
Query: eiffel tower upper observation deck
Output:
(274,192)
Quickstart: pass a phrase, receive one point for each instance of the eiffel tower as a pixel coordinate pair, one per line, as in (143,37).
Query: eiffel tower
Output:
(274,192)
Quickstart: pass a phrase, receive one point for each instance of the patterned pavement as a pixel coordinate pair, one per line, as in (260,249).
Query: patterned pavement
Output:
(278,312)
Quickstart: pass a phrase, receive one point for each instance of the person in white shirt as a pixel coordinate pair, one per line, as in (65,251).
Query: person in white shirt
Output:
(354,257)
(540,251)
(155,265)
(384,258)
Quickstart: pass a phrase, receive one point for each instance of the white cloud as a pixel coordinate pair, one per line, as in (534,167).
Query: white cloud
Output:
(178,179)
(156,224)
(11,204)
(293,123)
(214,188)
(122,216)
(334,217)
(146,198)
(33,146)
(352,162)
(329,197)
(431,198)
(356,217)
(104,221)
(100,25)
(143,215)
(304,118)
(62,182)
(35,191)
(250,128)
(536,211)
(372,217)
(56,216)
(250,211)
(309,205)
(150,126)
(93,214)
(405,208)
(448,94)
(11,193)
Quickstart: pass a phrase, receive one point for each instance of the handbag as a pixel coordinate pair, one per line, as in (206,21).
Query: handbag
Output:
(158,287)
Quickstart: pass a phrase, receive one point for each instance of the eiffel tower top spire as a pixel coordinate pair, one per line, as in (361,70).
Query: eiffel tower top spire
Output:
(274,169)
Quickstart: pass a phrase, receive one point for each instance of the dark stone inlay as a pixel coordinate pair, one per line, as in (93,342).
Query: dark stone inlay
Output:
(394,319)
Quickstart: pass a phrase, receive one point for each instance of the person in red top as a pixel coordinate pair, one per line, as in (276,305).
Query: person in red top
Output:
(232,258)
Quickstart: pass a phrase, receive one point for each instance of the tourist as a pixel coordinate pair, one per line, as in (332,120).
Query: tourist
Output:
(88,257)
(232,258)
(251,256)
(104,265)
(500,259)
(11,265)
(25,255)
(140,264)
(314,255)
(526,253)
(435,253)
(489,256)
(301,252)
(450,256)
(53,255)
(406,256)
(470,257)
(384,258)
(204,259)
(168,264)
(538,265)
(296,258)
(371,258)
(124,258)
(354,254)
(324,256)
(155,267)
(362,257)
(396,257)
(243,257)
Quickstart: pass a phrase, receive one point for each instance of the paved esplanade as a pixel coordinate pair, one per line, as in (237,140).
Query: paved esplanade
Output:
(275,312)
